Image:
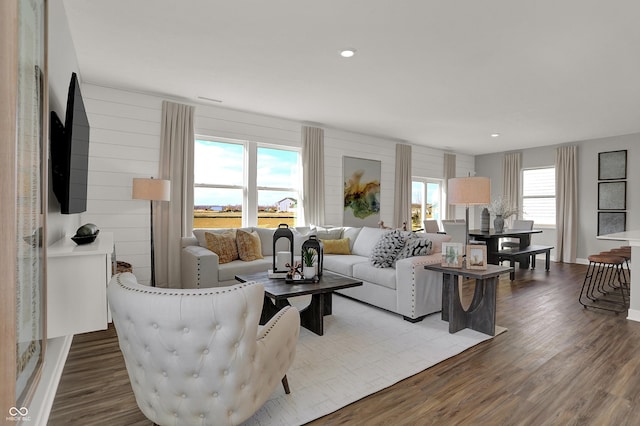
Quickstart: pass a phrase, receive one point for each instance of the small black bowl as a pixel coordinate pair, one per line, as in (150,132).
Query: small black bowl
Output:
(84,239)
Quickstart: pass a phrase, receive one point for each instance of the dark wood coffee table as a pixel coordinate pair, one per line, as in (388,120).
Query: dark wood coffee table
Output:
(277,291)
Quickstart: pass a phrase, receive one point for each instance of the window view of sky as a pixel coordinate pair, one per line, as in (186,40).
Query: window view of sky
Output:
(222,163)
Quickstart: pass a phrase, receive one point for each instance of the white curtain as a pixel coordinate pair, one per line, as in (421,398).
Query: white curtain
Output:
(511,165)
(175,218)
(313,175)
(402,193)
(449,172)
(566,203)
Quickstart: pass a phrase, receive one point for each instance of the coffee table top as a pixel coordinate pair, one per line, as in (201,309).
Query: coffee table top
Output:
(279,289)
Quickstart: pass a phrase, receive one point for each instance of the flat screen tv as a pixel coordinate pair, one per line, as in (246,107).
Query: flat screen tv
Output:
(70,153)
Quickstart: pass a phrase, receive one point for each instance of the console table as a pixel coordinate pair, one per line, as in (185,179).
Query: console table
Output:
(77,278)
(481,314)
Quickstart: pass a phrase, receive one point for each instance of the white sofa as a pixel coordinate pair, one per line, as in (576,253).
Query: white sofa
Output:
(407,289)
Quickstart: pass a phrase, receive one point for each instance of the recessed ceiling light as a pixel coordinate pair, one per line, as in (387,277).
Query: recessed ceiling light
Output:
(495,135)
(347,53)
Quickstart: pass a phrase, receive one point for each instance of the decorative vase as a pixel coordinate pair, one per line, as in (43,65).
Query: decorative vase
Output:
(498,224)
(485,220)
(309,272)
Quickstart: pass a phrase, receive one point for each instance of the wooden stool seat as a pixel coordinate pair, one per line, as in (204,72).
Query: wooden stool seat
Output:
(605,284)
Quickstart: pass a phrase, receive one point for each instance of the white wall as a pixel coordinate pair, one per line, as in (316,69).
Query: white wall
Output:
(125,141)
(491,165)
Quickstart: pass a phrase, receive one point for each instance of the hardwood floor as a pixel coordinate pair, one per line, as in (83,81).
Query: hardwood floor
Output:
(559,364)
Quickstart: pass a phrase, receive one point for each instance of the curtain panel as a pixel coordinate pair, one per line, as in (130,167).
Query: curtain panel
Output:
(174,219)
(313,175)
(566,203)
(511,168)
(402,193)
(449,172)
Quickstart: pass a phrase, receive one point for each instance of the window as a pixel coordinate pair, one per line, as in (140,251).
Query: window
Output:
(425,201)
(539,195)
(242,183)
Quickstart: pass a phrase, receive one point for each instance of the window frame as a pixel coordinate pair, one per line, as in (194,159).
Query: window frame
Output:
(536,222)
(249,186)
(425,181)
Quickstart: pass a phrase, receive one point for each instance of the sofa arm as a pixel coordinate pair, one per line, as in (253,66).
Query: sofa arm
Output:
(199,267)
(419,291)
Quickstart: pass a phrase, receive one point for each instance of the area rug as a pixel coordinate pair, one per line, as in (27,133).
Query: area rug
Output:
(363,350)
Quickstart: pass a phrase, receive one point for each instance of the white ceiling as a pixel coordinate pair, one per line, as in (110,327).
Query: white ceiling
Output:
(440,73)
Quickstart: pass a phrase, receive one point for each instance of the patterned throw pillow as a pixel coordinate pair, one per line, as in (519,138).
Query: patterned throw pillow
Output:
(339,246)
(387,248)
(249,247)
(224,245)
(415,247)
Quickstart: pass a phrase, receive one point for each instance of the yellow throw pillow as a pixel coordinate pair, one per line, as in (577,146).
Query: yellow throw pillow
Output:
(340,246)
(249,247)
(224,245)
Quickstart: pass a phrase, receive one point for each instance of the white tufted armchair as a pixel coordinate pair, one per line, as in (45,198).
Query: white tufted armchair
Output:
(198,356)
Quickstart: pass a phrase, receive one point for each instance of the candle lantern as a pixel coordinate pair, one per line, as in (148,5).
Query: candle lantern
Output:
(281,258)
(313,243)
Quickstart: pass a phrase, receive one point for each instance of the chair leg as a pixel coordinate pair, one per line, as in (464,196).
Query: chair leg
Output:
(285,384)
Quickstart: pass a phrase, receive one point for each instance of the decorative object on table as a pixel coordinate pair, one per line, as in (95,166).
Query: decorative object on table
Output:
(153,190)
(86,234)
(477,256)
(502,209)
(281,259)
(485,220)
(308,261)
(612,165)
(314,244)
(452,255)
(469,191)
(361,191)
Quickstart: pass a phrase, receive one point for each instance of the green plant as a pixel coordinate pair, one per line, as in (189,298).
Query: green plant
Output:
(308,256)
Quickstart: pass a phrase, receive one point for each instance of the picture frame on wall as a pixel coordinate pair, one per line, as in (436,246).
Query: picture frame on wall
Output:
(612,195)
(611,222)
(452,254)
(477,256)
(612,165)
(361,197)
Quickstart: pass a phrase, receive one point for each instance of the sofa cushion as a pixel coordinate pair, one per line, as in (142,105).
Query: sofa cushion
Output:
(340,246)
(266,240)
(366,240)
(436,240)
(383,277)
(386,249)
(415,247)
(329,233)
(224,245)
(249,246)
(343,264)
(228,271)
(299,237)
(351,233)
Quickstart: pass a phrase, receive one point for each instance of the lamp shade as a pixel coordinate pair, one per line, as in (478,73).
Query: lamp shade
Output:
(469,190)
(151,189)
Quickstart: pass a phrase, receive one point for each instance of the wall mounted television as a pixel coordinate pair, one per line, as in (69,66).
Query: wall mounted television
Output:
(70,153)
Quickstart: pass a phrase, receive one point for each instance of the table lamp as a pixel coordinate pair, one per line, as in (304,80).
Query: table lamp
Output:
(153,190)
(469,191)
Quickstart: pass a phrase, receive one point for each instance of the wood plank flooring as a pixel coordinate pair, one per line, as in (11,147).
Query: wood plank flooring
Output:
(559,364)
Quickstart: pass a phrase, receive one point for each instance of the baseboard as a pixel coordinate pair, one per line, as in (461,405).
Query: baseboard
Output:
(633,315)
(55,357)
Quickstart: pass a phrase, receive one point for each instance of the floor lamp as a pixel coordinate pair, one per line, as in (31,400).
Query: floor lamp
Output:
(469,191)
(153,190)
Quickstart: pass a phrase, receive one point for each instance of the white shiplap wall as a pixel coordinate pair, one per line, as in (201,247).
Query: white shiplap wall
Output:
(125,143)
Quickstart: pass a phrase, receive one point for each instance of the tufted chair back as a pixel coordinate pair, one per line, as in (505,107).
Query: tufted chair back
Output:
(198,356)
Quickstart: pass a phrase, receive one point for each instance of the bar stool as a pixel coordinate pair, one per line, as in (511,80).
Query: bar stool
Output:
(605,285)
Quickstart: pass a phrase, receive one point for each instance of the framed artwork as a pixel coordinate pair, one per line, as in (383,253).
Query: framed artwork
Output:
(452,255)
(612,195)
(361,179)
(612,165)
(477,256)
(611,222)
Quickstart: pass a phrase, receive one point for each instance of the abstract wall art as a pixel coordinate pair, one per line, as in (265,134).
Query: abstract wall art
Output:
(361,179)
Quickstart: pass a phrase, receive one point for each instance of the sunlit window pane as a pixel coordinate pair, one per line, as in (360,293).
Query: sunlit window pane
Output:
(218,163)
(277,168)
(538,195)
(217,208)
(276,207)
